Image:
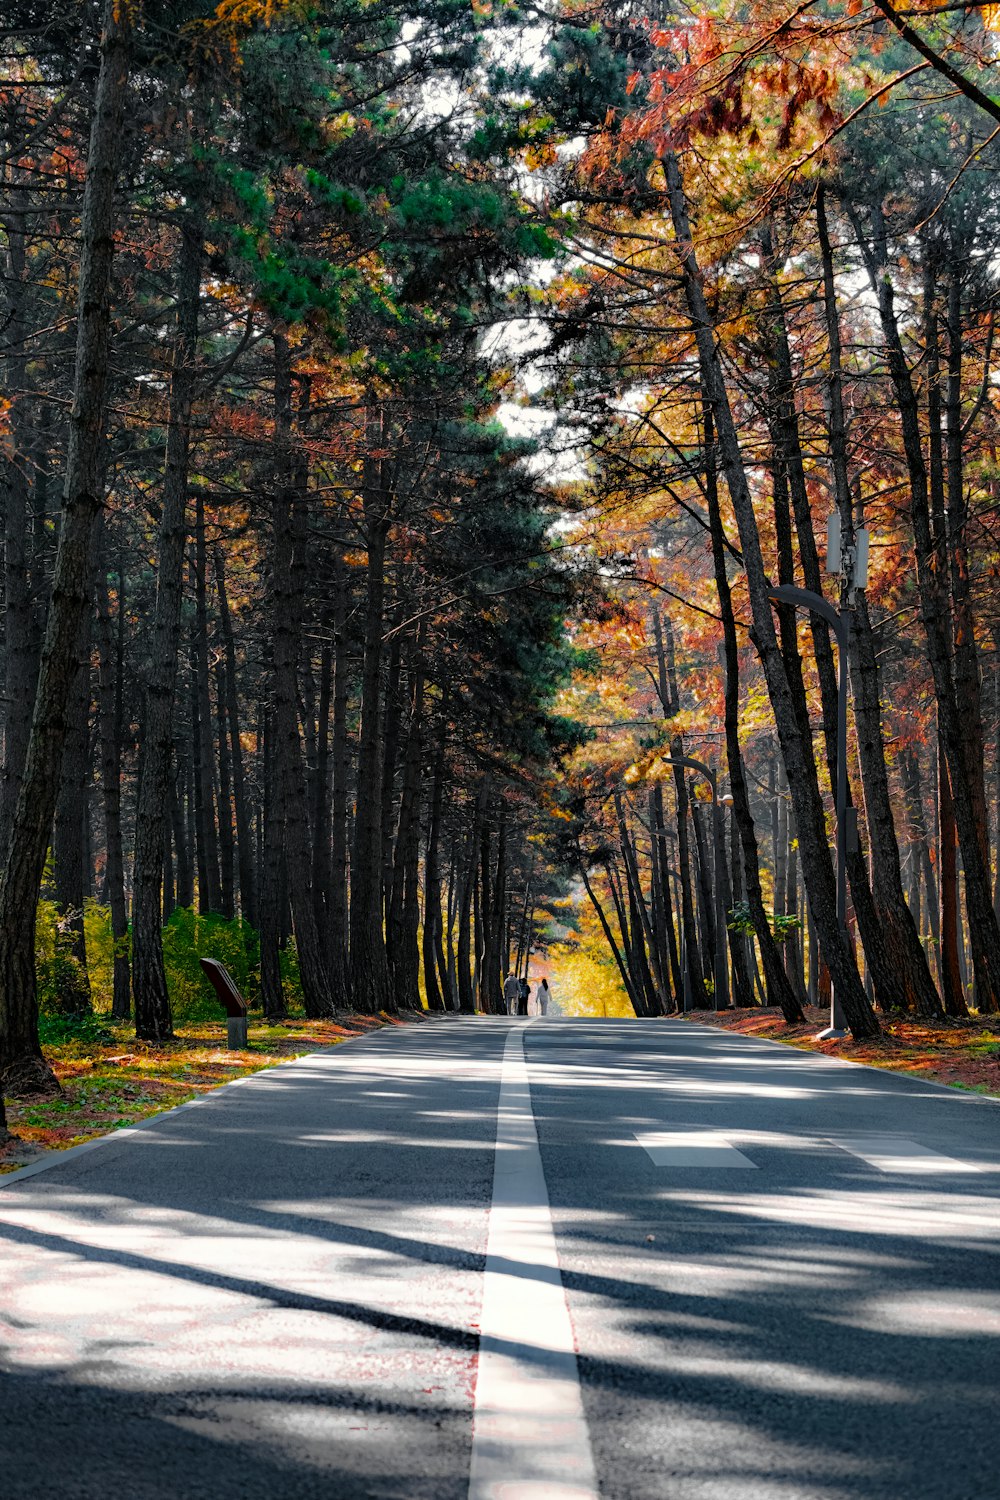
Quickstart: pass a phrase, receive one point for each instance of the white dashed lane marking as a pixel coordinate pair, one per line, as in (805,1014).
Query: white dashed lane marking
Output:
(705,1149)
(887,1153)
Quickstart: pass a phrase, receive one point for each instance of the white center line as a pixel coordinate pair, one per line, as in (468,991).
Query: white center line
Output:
(530,1439)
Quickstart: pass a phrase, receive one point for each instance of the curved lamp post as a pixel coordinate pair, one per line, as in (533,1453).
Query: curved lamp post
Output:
(721,963)
(839,622)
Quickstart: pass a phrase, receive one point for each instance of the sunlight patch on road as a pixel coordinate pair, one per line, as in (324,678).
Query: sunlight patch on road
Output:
(935,1315)
(911,1214)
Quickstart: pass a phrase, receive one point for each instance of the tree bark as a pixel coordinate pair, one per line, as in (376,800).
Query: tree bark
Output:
(21,1064)
(370,980)
(109,737)
(285,589)
(951,969)
(797,752)
(904,967)
(403,924)
(272,994)
(210,895)
(779,991)
(337,916)
(466,997)
(433,955)
(244,830)
(69,843)
(932,568)
(153,1018)
(20,634)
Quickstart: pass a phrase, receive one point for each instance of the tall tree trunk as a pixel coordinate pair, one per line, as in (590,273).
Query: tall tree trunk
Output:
(626,918)
(432,955)
(913,792)
(153,1018)
(337,938)
(321,808)
(779,991)
(205,790)
(68,839)
(272,993)
(286,586)
(906,957)
(951,972)
(965,652)
(655,986)
(227,846)
(797,752)
(742,977)
(182,836)
(917,990)
(706,902)
(905,965)
(932,569)
(495,968)
(391,721)
(21,1064)
(244,830)
(466,998)
(369,964)
(109,736)
(609,937)
(19,624)
(663,874)
(403,923)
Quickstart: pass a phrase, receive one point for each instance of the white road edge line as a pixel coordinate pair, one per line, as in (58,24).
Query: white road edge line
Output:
(530,1438)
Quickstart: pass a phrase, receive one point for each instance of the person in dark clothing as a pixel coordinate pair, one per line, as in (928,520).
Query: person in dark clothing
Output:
(511,994)
(522,999)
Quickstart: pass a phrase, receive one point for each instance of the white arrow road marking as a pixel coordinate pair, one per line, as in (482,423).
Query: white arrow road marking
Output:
(530,1439)
(705,1149)
(887,1153)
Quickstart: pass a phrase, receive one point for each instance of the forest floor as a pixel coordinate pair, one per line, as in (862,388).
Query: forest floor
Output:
(114,1081)
(963,1054)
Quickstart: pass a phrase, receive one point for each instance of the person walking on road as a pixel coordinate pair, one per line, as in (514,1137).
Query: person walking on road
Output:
(511,994)
(542,996)
(524,995)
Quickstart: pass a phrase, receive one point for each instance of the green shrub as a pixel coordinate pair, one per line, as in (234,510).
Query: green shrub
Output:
(100,953)
(58,971)
(291,982)
(55,1029)
(187,937)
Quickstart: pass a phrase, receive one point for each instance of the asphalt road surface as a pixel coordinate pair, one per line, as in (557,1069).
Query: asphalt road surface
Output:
(498,1260)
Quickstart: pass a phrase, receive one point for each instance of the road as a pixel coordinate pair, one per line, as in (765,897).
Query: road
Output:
(490,1260)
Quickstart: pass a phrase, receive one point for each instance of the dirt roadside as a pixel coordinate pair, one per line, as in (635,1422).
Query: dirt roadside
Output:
(963,1054)
(113,1081)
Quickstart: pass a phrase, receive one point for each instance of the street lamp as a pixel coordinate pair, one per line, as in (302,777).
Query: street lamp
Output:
(721,964)
(839,622)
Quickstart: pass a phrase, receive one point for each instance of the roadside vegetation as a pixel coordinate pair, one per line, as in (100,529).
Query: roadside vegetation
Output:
(408,413)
